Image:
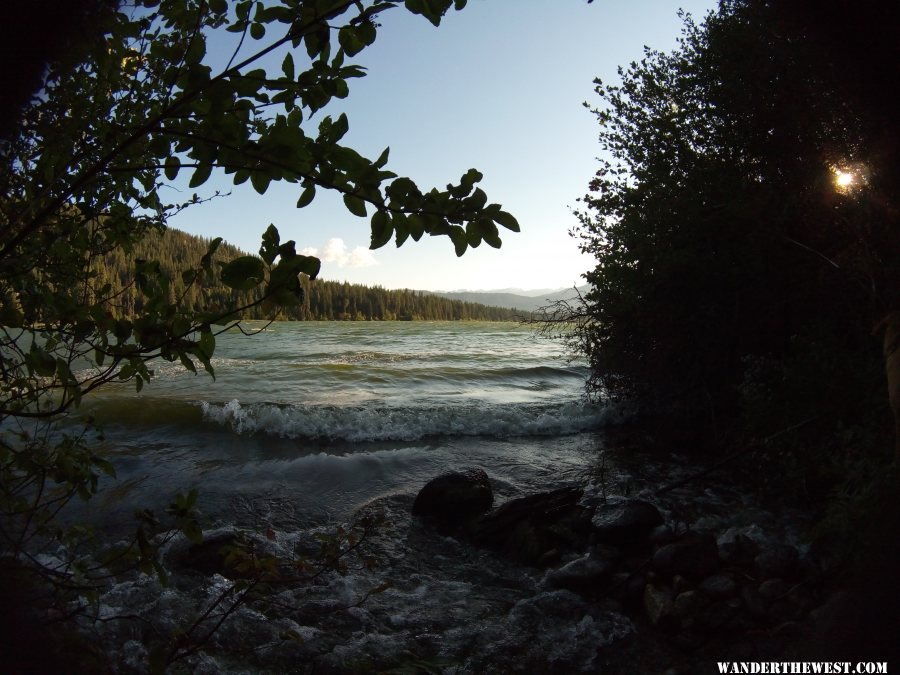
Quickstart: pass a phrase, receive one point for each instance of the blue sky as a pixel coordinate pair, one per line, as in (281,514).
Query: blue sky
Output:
(498,87)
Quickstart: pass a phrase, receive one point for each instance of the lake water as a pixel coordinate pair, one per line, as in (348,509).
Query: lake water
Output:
(319,418)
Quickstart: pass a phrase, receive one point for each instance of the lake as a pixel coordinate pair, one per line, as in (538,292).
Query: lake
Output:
(311,420)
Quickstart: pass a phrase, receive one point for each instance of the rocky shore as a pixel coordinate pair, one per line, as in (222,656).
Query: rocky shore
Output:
(694,597)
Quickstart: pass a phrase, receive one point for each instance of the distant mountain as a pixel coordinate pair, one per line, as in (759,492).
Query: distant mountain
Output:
(531,293)
(519,301)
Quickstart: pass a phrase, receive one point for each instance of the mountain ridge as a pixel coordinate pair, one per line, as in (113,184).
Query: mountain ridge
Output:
(521,302)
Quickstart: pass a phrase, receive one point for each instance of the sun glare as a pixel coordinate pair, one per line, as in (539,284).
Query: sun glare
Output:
(843,179)
(849,178)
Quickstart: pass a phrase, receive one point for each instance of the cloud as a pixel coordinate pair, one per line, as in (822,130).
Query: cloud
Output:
(335,251)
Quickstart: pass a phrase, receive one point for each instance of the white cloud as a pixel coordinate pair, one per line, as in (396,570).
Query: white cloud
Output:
(335,251)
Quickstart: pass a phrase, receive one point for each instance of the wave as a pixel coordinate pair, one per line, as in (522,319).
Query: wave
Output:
(385,423)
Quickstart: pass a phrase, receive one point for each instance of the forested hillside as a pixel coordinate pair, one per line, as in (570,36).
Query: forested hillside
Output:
(177,251)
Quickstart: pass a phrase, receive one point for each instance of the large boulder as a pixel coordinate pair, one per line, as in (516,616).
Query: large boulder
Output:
(455,497)
(583,575)
(531,529)
(626,521)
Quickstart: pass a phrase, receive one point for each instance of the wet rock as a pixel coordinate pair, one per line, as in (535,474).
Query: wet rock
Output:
(694,556)
(625,522)
(718,586)
(455,497)
(739,550)
(526,529)
(582,575)
(780,560)
(660,606)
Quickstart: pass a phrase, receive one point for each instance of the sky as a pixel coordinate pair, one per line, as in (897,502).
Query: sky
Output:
(499,87)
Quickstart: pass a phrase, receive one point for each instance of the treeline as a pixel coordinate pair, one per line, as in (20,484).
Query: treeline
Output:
(177,251)
(745,231)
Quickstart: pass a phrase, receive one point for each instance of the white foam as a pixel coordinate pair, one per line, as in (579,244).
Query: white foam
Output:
(385,423)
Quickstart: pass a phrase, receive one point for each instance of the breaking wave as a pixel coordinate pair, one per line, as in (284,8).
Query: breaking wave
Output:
(386,423)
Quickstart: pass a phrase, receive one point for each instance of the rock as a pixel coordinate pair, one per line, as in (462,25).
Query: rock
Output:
(680,584)
(739,550)
(687,606)
(718,586)
(755,604)
(528,528)
(694,556)
(582,575)
(660,536)
(625,522)
(718,615)
(774,589)
(209,556)
(779,561)
(629,588)
(660,606)
(455,497)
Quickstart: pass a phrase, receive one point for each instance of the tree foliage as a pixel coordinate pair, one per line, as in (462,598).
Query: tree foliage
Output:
(125,112)
(730,267)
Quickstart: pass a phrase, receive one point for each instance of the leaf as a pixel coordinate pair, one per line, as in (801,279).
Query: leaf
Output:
(355,205)
(257,31)
(193,532)
(488,232)
(350,41)
(469,179)
(339,128)
(382,158)
(201,174)
(243,273)
(104,466)
(43,363)
(172,165)
(477,201)
(207,344)
(270,241)
(506,220)
(287,66)
(260,181)
(309,193)
(458,237)
(186,362)
(196,51)
(381,229)
(206,260)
